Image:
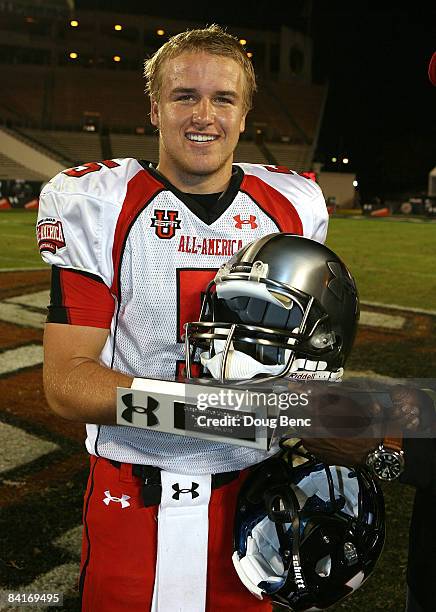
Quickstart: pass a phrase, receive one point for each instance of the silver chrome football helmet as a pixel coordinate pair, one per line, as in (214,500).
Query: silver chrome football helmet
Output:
(283,304)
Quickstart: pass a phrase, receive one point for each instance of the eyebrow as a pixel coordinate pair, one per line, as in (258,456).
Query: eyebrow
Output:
(191,90)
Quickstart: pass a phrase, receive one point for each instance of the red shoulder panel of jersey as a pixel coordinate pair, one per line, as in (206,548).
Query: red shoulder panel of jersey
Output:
(273,203)
(141,189)
(79,298)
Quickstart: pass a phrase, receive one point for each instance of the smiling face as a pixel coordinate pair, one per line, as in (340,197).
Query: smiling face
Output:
(200,115)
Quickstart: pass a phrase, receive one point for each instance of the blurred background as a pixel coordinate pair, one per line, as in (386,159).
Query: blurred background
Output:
(342,91)
(344,96)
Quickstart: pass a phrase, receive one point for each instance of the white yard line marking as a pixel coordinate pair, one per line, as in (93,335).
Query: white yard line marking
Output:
(379,319)
(367,374)
(13,313)
(61,579)
(30,269)
(71,542)
(39,299)
(21,357)
(398,307)
(17,447)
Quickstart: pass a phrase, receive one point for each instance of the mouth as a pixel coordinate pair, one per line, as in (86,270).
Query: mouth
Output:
(201,138)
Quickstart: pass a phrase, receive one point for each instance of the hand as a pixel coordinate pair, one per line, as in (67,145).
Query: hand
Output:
(412,409)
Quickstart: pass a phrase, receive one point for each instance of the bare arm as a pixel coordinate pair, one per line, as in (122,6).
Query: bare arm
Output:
(76,385)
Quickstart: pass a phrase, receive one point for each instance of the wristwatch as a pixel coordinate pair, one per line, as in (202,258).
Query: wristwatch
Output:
(386,461)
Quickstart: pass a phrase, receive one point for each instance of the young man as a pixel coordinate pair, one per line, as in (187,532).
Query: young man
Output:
(131,247)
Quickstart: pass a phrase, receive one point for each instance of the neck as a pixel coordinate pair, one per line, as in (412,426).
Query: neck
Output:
(201,184)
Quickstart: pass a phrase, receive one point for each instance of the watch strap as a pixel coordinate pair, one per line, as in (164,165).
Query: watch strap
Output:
(393,443)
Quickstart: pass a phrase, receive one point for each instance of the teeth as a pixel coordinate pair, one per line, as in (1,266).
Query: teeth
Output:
(200,137)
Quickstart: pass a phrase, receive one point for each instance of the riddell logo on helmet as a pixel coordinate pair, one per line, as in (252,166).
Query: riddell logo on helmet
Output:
(298,578)
(50,235)
(240,223)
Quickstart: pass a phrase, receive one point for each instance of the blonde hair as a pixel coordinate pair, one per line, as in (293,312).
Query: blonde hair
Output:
(213,40)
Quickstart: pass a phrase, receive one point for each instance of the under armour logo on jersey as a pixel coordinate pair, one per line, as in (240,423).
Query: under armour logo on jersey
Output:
(119,500)
(251,221)
(166,222)
(192,490)
(152,406)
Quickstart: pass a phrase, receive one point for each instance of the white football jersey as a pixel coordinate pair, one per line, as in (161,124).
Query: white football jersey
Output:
(145,251)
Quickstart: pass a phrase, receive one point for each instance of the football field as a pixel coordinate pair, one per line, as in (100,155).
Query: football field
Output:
(393,261)
(43,462)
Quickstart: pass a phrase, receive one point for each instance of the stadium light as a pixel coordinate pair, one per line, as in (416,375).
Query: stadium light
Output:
(334,159)
(73,55)
(355,183)
(242,41)
(345,160)
(116,58)
(160,32)
(118,27)
(74,23)
(249,54)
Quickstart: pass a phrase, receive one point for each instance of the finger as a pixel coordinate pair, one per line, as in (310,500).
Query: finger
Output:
(413,424)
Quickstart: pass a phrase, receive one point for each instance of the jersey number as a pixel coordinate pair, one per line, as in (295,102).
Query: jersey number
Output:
(79,171)
(191,285)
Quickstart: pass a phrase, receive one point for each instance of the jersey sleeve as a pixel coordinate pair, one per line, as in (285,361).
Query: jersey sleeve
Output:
(77,218)
(79,298)
(320,218)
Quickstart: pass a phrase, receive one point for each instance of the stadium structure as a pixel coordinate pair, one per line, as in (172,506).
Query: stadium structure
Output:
(73,92)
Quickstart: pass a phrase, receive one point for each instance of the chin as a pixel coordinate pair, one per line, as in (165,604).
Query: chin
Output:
(201,167)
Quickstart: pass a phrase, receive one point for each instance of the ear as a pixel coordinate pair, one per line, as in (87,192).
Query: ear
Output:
(242,124)
(154,112)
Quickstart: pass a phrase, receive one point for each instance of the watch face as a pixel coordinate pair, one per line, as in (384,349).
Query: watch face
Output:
(386,464)
(387,467)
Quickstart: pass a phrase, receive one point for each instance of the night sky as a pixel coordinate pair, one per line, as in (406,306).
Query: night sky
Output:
(381,108)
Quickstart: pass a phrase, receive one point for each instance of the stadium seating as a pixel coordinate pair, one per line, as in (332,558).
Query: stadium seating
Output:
(132,145)
(9,169)
(296,157)
(77,147)
(248,152)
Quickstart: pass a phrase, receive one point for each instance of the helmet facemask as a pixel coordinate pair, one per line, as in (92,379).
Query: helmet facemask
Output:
(252,325)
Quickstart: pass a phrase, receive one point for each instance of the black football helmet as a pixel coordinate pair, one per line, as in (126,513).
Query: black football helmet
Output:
(307,536)
(280,299)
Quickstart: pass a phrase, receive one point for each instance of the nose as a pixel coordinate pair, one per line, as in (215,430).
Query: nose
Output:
(203,113)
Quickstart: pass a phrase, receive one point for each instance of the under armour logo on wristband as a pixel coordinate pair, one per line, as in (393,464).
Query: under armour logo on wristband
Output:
(192,490)
(120,500)
(251,221)
(152,405)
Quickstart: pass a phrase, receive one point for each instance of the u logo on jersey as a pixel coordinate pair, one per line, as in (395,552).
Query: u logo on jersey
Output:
(165,223)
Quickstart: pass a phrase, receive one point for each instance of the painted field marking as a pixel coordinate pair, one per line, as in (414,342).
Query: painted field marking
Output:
(39,299)
(23,309)
(398,307)
(71,542)
(30,269)
(61,579)
(380,319)
(13,313)
(21,357)
(367,374)
(19,447)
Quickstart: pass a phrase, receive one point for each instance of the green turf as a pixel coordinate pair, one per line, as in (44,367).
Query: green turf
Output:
(18,248)
(393,261)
